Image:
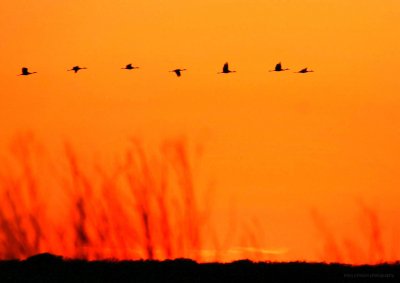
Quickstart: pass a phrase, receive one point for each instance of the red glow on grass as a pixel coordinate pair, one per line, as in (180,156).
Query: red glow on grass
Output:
(142,206)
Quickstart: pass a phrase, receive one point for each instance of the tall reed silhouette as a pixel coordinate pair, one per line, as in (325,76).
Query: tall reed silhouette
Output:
(365,247)
(142,206)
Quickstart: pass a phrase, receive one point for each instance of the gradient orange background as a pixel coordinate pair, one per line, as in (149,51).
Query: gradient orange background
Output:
(277,145)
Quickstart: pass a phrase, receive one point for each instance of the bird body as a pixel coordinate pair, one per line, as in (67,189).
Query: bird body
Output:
(278,68)
(305,70)
(225,69)
(25,72)
(130,67)
(178,72)
(76,69)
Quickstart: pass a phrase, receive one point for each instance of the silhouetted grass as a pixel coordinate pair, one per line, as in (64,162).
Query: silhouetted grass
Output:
(367,246)
(145,208)
(49,268)
(141,206)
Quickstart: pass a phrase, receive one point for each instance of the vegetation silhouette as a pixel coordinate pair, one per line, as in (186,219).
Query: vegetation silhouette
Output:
(145,205)
(370,245)
(51,268)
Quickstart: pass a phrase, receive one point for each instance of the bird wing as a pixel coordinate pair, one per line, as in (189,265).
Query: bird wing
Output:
(304,70)
(178,73)
(129,66)
(225,69)
(24,70)
(278,67)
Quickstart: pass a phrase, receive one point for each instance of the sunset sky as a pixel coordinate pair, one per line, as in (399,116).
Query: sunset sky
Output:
(279,148)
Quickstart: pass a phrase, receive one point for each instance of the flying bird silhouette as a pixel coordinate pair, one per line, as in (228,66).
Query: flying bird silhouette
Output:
(130,67)
(25,72)
(76,69)
(178,71)
(305,70)
(225,69)
(278,68)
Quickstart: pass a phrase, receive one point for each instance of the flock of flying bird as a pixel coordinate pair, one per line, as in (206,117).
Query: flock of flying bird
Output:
(178,72)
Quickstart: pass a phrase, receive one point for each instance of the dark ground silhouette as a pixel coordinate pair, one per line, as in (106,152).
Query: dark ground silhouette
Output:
(50,268)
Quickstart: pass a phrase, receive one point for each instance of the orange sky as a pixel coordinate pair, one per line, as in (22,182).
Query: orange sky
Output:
(277,145)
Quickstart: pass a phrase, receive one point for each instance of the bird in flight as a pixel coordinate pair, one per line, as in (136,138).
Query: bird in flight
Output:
(130,67)
(278,68)
(178,71)
(225,69)
(305,70)
(25,72)
(76,69)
